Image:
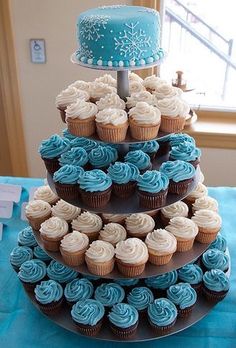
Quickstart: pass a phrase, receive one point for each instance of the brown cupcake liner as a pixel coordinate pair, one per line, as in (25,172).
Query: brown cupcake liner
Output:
(51,244)
(152,213)
(185,312)
(73,259)
(51,308)
(152,201)
(130,270)
(124,332)
(195,162)
(180,187)
(142,171)
(206,238)
(89,330)
(197,287)
(92,236)
(159,260)
(67,191)
(52,165)
(164,220)
(62,113)
(143,132)
(110,133)
(35,223)
(100,269)
(137,234)
(184,245)
(96,199)
(161,330)
(124,190)
(16,268)
(31,286)
(81,128)
(107,221)
(172,125)
(213,296)
(164,148)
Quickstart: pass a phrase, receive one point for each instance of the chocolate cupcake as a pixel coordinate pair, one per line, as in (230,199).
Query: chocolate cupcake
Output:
(149,147)
(40,254)
(179,138)
(191,274)
(123,320)
(161,283)
(76,156)
(60,273)
(109,294)
(162,315)
(124,178)
(215,285)
(19,255)
(127,283)
(183,296)
(215,259)
(78,290)
(66,181)
(86,144)
(31,273)
(49,296)
(102,156)
(187,152)
(140,298)
(219,243)
(140,159)
(26,238)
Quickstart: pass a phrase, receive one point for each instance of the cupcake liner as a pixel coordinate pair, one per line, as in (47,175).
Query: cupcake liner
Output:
(96,199)
(130,270)
(206,235)
(152,200)
(184,245)
(172,125)
(62,113)
(180,187)
(30,286)
(161,330)
(195,162)
(51,308)
(35,223)
(152,213)
(142,171)
(184,312)
(124,332)
(51,164)
(124,190)
(137,234)
(81,128)
(159,260)
(213,296)
(99,268)
(152,155)
(197,287)
(73,259)
(164,148)
(67,191)
(16,268)
(51,244)
(164,220)
(89,330)
(92,236)
(110,133)
(143,132)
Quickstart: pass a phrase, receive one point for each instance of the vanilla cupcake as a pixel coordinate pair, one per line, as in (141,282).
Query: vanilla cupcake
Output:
(200,191)
(89,224)
(139,225)
(161,246)
(111,101)
(100,258)
(118,218)
(107,79)
(81,85)
(73,247)
(143,96)
(184,230)
(45,194)
(134,77)
(80,118)
(52,231)
(176,209)
(205,202)
(112,125)
(164,90)
(36,212)
(135,87)
(131,257)
(209,224)
(144,121)
(98,90)
(113,233)
(65,211)
(151,83)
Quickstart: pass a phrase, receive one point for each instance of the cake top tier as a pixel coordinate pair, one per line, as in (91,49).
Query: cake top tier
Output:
(119,36)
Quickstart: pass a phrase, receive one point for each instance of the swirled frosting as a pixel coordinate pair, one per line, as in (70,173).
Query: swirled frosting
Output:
(37,208)
(176,209)
(74,241)
(173,107)
(112,233)
(182,227)
(162,281)
(178,138)
(219,243)
(54,227)
(140,298)
(123,315)
(77,156)
(53,147)
(164,91)
(126,281)
(81,85)
(60,273)
(162,312)
(143,96)
(87,312)
(134,77)
(139,223)
(190,273)
(112,116)
(100,251)
(32,271)
(200,191)
(95,180)
(177,170)
(207,219)
(20,254)
(122,173)
(26,237)
(40,254)
(66,134)
(153,82)
(65,210)
(48,291)
(87,223)
(153,181)
(139,158)
(68,174)
(109,294)
(68,96)
(132,251)
(205,202)
(185,151)
(107,79)
(86,144)
(78,290)
(99,90)
(81,110)
(161,242)
(102,156)
(111,101)
(115,217)
(135,87)
(182,295)
(216,280)
(45,194)
(147,147)
(145,114)
(215,259)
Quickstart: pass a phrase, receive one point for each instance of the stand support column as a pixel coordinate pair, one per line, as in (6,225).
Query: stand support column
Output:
(123,84)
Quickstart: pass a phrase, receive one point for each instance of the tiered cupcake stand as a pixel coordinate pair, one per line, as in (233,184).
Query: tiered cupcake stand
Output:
(128,206)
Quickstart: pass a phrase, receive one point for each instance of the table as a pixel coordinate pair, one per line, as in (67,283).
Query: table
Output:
(21,325)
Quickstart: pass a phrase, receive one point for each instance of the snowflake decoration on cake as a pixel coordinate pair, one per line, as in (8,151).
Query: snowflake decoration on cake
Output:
(84,51)
(111,6)
(133,43)
(90,26)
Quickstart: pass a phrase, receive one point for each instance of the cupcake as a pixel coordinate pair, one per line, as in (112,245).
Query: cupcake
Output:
(164,145)
(143,96)
(140,159)
(86,144)
(219,243)
(95,188)
(51,149)
(136,87)
(162,282)
(123,176)
(112,125)
(139,225)
(110,101)
(31,273)
(78,290)
(200,191)
(66,134)
(152,189)
(131,257)
(161,246)
(191,274)
(179,138)
(140,298)
(66,181)
(205,202)
(19,255)
(102,157)
(127,283)
(151,83)
(107,79)
(88,316)
(37,212)
(144,121)
(184,230)
(40,254)
(184,297)
(81,85)
(180,174)
(65,211)
(49,296)
(98,90)
(134,77)
(60,273)
(162,315)
(149,147)
(215,259)
(173,210)
(187,152)
(109,294)
(44,193)
(89,224)
(52,231)
(112,233)
(215,285)
(100,258)
(26,238)
(209,224)
(166,91)
(76,156)
(123,320)
(117,218)
(73,247)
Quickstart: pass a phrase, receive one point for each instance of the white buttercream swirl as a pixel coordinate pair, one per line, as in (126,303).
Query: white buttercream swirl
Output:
(165,90)
(99,90)
(111,101)
(176,209)
(135,77)
(81,85)
(65,210)
(100,251)
(201,177)
(139,223)
(173,107)
(112,116)
(132,251)
(161,241)
(45,194)
(54,227)
(112,233)
(153,82)
(182,227)
(207,219)
(143,96)
(200,191)
(144,113)
(37,208)
(75,241)
(115,217)
(107,79)
(87,223)
(205,202)
(67,96)
(81,110)
(135,87)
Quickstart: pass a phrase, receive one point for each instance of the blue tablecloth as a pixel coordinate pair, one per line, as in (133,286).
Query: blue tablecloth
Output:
(21,325)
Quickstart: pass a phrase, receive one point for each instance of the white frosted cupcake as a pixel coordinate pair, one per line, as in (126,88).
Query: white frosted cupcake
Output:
(46,194)
(65,210)
(209,224)
(36,212)
(134,77)
(111,101)
(99,90)
(184,230)
(161,246)
(131,257)
(88,223)
(52,231)
(200,191)
(73,247)
(135,87)
(144,121)
(164,90)
(118,218)
(100,258)
(113,233)
(205,202)
(107,79)
(176,209)
(151,83)
(139,225)
(81,85)
(143,96)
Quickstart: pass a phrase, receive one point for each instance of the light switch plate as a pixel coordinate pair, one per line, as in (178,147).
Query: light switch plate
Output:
(38,51)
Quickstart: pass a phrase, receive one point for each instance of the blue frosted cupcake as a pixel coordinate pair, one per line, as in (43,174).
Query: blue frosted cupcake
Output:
(19,255)
(183,296)
(95,188)
(215,259)
(140,159)
(66,181)
(124,178)
(86,144)
(149,147)
(152,189)
(191,274)
(127,283)
(60,273)
(26,237)
(66,134)
(180,174)
(78,290)
(215,285)
(186,151)
(102,156)
(179,138)
(219,243)
(123,320)
(49,296)
(88,316)
(109,294)
(162,282)
(76,156)
(31,273)
(140,298)
(162,315)
(164,145)
(40,254)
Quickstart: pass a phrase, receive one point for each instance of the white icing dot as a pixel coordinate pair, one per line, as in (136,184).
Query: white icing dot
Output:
(132,63)
(111,31)
(99,62)
(90,61)
(121,63)
(82,59)
(111,57)
(142,62)
(109,63)
(150,60)
(102,46)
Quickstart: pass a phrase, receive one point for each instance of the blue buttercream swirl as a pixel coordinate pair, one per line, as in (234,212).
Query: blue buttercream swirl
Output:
(32,271)
(77,156)
(40,254)
(216,280)
(214,258)
(78,290)
(185,151)
(140,297)
(126,281)
(152,181)
(147,147)
(123,315)
(162,312)
(191,274)
(109,294)
(162,281)
(48,291)
(86,144)
(182,294)
(102,156)
(54,147)
(178,170)
(66,134)
(20,254)
(139,158)
(26,237)
(179,138)
(87,312)
(122,173)
(219,243)
(68,174)
(60,273)
(95,180)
